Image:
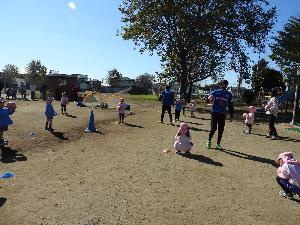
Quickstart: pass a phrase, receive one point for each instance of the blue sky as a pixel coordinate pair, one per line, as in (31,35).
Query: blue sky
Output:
(79,36)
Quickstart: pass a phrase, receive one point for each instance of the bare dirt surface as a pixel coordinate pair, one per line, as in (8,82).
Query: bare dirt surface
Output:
(120,175)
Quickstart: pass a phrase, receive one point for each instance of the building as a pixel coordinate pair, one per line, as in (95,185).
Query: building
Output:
(57,83)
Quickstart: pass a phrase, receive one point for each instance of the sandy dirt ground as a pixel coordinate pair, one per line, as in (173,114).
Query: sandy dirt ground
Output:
(120,175)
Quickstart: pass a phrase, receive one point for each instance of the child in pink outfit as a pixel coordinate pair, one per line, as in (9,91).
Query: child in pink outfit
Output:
(63,103)
(121,110)
(183,139)
(193,107)
(288,175)
(249,119)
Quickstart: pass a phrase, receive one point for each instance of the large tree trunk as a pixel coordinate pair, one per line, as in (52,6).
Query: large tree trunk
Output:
(189,93)
(184,74)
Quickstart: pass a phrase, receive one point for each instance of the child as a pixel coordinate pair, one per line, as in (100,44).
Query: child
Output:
(178,106)
(272,111)
(183,103)
(121,110)
(50,113)
(5,121)
(63,103)
(249,119)
(183,139)
(193,107)
(288,175)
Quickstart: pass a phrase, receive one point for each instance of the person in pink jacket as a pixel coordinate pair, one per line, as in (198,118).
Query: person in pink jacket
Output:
(249,119)
(183,139)
(193,108)
(288,175)
(121,110)
(63,103)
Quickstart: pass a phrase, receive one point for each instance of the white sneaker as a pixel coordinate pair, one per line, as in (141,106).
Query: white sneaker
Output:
(285,195)
(274,138)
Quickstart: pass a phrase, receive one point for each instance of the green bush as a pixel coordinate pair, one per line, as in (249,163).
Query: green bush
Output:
(248,97)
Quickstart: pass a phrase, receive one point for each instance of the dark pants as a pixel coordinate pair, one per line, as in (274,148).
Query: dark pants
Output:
(272,129)
(183,110)
(217,122)
(121,117)
(63,108)
(32,95)
(163,110)
(249,127)
(43,95)
(287,186)
(177,114)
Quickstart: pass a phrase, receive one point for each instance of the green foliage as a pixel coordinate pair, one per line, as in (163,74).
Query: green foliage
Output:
(144,83)
(36,72)
(113,77)
(197,39)
(248,96)
(285,49)
(11,71)
(265,77)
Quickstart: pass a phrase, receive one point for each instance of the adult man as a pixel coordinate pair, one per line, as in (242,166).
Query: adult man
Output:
(167,97)
(221,98)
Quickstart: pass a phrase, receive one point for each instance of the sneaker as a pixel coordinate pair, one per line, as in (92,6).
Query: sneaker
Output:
(3,142)
(286,195)
(274,138)
(208,144)
(46,128)
(160,121)
(268,136)
(219,147)
(118,122)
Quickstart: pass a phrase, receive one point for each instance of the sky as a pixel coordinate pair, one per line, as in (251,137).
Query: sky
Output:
(80,37)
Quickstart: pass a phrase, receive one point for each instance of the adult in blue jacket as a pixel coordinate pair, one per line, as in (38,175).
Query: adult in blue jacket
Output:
(167,98)
(221,98)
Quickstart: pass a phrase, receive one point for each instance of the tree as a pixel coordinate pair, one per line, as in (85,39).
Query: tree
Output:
(265,77)
(285,49)
(11,71)
(196,39)
(113,77)
(36,72)
(144,82)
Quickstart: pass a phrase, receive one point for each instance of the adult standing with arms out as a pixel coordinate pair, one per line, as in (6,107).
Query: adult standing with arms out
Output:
(167,98)
(221,98)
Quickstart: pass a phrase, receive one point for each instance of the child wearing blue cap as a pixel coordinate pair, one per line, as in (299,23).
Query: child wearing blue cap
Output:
(5,120)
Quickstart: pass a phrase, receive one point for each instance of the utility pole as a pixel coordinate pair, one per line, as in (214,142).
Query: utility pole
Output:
(296,93)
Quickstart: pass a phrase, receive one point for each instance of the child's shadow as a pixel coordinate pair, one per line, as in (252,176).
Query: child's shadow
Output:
(11,156)
(2,201)
(202,158)
(133,125)
(69,115)
(59,135)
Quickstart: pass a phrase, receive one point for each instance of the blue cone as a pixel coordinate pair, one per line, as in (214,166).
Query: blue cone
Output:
(6,175)
(91,127)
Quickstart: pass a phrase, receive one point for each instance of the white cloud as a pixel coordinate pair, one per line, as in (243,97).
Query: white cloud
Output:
(72,5)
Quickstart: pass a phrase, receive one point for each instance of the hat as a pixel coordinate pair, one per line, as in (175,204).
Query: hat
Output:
(2,100)
(285,156)
(184,127)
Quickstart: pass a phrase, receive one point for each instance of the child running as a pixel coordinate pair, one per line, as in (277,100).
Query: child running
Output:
(249,119)
(50,113)
(63,103)
(121,110)
(193,108)
(5,121)
(183,139)
(178,106)
(288,175)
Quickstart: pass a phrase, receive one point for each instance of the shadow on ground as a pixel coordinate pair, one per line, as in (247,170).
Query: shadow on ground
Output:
(201,159)
(10,156)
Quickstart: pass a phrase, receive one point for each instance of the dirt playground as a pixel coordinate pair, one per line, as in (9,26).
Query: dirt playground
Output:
(120,174)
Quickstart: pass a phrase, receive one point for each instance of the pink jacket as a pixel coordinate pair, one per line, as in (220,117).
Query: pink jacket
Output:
(290,169)
(249,117)
(64,100)
(193,105)
(182,141)
(121,108)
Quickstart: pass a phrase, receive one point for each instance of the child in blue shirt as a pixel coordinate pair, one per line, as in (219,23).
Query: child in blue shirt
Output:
(5,121)
(178,107)
(50,113)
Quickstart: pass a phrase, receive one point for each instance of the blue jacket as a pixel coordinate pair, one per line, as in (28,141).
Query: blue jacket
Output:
(50,111)
(4,117)
(167,97)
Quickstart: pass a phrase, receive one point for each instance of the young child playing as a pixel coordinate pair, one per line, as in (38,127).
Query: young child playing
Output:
(178,106)
(183,139)
(272,111)
(50,113)
(5,121)
(63,103)
(249,119)
(288,175)
(193,108)
(121,110)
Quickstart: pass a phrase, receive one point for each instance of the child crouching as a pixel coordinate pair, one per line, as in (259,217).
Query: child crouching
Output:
(5,121)
(183,139)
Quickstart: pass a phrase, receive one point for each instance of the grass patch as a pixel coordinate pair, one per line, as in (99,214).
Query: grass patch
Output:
(141,97)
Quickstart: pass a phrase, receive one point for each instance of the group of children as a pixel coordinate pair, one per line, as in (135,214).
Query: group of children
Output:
(181,104)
